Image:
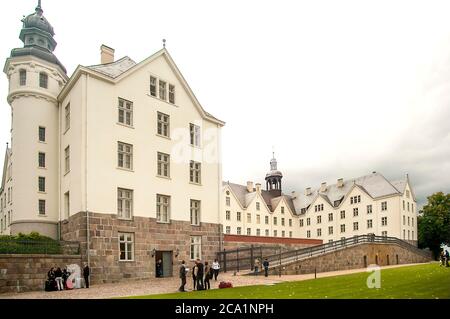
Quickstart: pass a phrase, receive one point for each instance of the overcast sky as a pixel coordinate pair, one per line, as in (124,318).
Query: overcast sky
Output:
(338,88)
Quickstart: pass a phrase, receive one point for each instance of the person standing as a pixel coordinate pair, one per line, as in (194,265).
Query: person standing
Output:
(257,264)
(216,269)
(207,277)
(59,279)
(86,274)
(266,267)
(200,273)
(194,274)
(182,277)
(159,268)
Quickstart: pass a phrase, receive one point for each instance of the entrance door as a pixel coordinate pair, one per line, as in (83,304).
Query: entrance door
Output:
(166,262)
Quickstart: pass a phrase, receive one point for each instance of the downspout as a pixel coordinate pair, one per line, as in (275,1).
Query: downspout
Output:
(59,169)
(219,173)
(85,171)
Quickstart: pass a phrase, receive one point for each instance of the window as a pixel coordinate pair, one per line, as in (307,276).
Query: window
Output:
(319,232)
(266,220)
(228,230)
(171,93)
(249,231)
(343,228)
(384,233)
(330,230)
(238,231)
(319,219)
(408,206)
(258,232)
(282,221)
(404,234)
(23,77)
(282,209)
(369,223)
(153,86)
(407,194)
(162,90)
(162,208)
(41,207)
(227,201)
(67,159)
(301,222)
(267,233)
(369,209)
(404,220)
(249,218)
(41,134)
(67,117)
(275,233)
(41,183)
(124,203)
(330,217)
(126,246)
(43,80)
(308,221)
(228,215)
(290,234)
(409,221)
(355,199)
(383,206)
(125,155)
(290,222)
(308,234)
(318,208)
(384,221)
(194,134)
(125,112)
(163,124)
(163,165)
(342,214)
(258,219)
(275,221)
(238,216)
(283,233)
(409,233)
(403,205)
(412,221)
(41,160)
(195,212)
(355,226)
(258,206)
(355,212)
(303,211)
(195,172)
(67,205)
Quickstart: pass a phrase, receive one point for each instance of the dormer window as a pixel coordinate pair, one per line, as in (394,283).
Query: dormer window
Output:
(43,80)
(162,90)
(23,77)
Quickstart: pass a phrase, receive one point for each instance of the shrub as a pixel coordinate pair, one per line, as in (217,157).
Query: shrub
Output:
(32,243)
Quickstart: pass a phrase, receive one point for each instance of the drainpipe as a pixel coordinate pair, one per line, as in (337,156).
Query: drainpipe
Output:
(219,190)
(85,170)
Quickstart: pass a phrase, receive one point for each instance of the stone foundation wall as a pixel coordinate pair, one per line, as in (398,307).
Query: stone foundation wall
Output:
(148,236)
(356,257)
(20,273)
(231,242)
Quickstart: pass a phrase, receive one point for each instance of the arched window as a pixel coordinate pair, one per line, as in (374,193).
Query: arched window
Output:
(23,77)
(43,80)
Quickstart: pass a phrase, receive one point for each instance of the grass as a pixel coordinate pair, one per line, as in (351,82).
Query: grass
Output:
(425,281)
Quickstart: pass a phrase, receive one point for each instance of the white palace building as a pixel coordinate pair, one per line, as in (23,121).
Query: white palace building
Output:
(122,157)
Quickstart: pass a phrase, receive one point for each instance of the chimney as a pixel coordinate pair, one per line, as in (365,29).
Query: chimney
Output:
(106,54)
(258,188)
(294,195)
(323,187)
(340,182)
(250,187)
(308,191)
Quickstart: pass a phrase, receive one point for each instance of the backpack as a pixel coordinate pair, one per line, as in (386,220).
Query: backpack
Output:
(224,284)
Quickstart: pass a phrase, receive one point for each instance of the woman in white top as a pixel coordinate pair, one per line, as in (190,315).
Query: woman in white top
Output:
(216,268)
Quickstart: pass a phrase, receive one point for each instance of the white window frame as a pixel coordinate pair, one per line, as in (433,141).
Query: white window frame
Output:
(195,172)
(163,126)
(42,129)
(125,203)
(163,208)
(163,166)
(43,159)
(43,80)
(195,212)
(41,179)
(40,211)
(127,240)
(171,93)
(22,77)
(125,156)
(125,112)
(162,88)
(67,159)
(67,117)
(153,86)
(194,133)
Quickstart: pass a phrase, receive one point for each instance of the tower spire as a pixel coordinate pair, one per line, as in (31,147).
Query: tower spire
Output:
(39,8)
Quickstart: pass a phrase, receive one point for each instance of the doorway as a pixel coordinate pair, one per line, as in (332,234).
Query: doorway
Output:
(166,263)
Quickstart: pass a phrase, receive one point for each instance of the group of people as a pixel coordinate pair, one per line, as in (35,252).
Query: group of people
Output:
(265,265)
(57,279)
(201,274)
(444,257)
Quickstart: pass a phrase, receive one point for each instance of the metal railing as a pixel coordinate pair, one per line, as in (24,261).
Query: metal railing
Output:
(243,258)
(285,257)
(26,247)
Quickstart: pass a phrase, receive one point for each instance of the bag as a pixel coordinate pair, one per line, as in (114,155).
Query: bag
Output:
(48,285)
(224,285)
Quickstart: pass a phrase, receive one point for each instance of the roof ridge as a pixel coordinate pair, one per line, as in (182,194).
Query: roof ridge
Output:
(111,63)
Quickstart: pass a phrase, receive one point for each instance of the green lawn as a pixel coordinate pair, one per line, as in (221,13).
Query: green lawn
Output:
(421,281)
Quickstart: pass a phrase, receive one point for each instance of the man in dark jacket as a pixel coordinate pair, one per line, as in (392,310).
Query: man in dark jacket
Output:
(266,267)
(86,273)
(182,276)
(200,273)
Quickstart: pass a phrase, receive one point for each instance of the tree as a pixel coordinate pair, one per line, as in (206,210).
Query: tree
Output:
(434,224)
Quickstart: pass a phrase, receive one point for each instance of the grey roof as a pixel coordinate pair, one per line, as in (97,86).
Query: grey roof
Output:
(375,185)
(399,185)
(114,69)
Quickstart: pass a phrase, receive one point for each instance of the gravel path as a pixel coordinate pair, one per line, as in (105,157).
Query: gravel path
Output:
(167,285)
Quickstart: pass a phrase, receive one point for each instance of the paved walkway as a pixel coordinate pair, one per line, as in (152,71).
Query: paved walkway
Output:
(168,285)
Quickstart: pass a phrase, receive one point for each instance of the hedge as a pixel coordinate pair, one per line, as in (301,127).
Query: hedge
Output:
(32,243)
